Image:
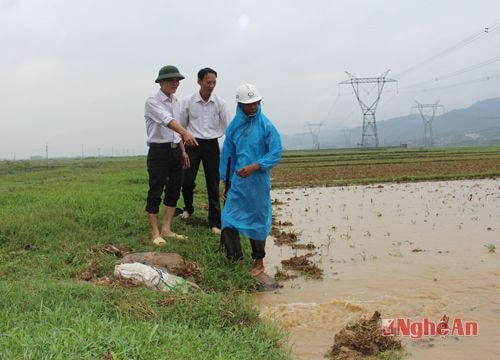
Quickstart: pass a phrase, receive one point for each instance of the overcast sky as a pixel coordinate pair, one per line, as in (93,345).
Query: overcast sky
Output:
(74,74)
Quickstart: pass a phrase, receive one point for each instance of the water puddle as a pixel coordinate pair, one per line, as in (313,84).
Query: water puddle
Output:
(416,250)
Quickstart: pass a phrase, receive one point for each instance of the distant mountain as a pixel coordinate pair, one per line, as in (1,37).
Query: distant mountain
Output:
(479,124)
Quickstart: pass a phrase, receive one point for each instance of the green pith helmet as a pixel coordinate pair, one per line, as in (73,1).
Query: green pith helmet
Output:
(168,72)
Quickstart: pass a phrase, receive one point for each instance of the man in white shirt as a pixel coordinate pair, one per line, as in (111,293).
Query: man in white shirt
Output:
(204,114)
(166,154)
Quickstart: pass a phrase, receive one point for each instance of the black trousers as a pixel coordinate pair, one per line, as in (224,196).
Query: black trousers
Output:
(165,175)
(208,153)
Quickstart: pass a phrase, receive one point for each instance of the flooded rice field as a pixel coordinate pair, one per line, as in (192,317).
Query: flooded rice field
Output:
(414,250)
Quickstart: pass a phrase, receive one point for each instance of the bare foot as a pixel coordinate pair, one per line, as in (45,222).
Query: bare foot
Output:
(159,241)
(216,230)
(184,216)
(173,235)
(178,211)
(256,270)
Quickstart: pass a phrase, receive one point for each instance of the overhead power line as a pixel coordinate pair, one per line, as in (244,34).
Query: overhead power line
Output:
(455,73)
(487,30)
(484,78)
(332,106)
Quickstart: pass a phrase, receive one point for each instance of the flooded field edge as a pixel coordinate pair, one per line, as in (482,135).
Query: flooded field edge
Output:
(407,250)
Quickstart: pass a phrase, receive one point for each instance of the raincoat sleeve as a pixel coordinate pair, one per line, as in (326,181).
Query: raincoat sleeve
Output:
(273,147)
(228,152)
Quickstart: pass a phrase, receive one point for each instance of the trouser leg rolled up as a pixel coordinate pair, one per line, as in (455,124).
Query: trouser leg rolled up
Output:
(258,249)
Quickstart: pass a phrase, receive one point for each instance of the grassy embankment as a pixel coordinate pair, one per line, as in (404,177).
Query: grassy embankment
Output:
(51,217)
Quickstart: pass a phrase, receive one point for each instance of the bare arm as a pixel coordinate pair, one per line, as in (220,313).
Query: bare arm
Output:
(187,137)
(159,115)
(185,157)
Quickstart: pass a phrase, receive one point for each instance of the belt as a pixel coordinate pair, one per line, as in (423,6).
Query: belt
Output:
(207,140)
(171,145)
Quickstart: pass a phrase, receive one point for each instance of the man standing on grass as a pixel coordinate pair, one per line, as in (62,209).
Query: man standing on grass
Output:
(251,148)
(166,155)
(204,114)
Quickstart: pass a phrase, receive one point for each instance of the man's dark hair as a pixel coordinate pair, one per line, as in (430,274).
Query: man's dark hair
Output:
(205,71)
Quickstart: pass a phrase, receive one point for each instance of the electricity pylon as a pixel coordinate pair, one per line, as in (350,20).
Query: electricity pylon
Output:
(301,138)
(370,136)
(427,112)
(314,131)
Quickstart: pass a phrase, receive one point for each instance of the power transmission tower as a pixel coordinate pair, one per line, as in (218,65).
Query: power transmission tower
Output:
(314,131)
(427,112)
(369,137)
(301,138)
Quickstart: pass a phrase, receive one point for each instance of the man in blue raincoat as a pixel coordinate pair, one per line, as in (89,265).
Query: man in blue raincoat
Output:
(251,148)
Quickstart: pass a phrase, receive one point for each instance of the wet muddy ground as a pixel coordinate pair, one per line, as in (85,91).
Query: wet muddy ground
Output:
(414,250)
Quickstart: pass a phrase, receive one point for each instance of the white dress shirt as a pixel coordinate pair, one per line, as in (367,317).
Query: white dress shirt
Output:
(159,111)
(205,120)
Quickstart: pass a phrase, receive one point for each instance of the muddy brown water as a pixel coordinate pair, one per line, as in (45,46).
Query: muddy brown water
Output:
(413,250)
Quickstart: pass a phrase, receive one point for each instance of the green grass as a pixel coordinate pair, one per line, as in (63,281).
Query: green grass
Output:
(52,217)
(68,320)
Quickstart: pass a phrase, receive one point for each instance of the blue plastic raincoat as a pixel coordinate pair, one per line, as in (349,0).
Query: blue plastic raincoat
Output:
(249,140)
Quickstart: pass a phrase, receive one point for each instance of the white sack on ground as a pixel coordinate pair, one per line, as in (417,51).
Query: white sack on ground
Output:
(151,277)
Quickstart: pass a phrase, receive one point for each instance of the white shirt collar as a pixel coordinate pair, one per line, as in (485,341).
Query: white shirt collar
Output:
(164,97)
(197,97)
